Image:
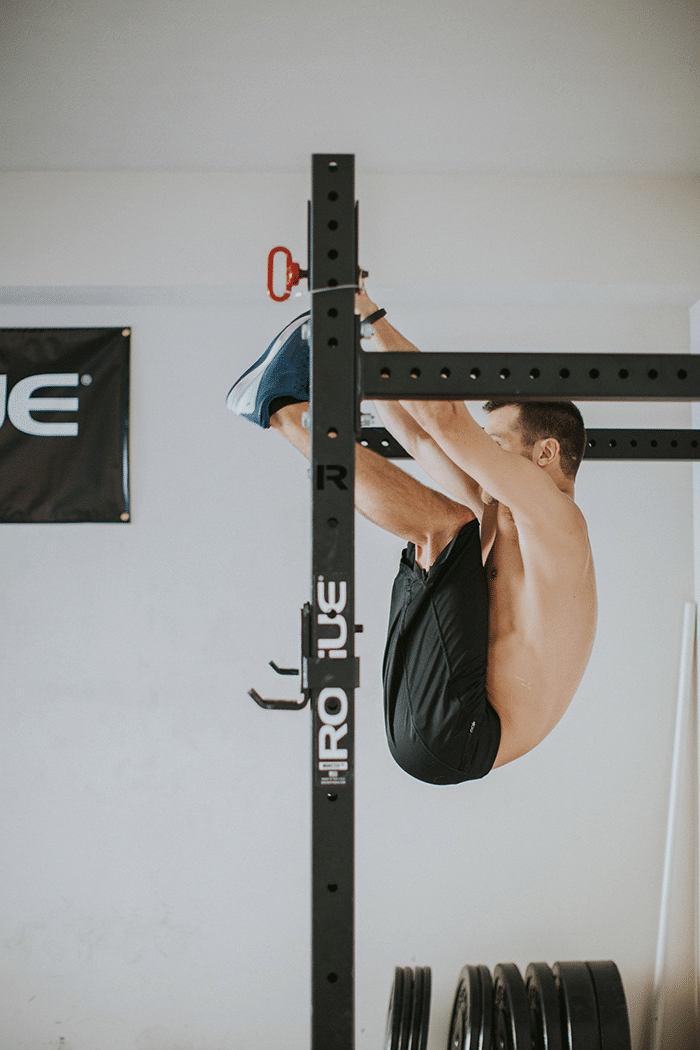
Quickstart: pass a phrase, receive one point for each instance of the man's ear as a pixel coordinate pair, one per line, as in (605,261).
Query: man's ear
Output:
(547,451)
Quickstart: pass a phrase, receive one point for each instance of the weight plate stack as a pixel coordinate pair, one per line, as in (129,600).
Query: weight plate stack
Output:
(579,1008)
(487,1006)
(471,1025)
(511,1009)
(393,1017)
(409,1009)
(421,1008)
(406,1008)
(545,1013)
(613,1019)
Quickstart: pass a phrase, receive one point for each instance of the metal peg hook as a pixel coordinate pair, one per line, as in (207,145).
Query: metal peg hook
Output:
(278,705)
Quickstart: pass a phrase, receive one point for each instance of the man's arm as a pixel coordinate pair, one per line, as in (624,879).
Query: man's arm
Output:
(509,478)
(400,422)
(428,454)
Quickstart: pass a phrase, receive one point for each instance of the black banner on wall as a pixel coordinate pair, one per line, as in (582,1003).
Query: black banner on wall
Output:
(64,424)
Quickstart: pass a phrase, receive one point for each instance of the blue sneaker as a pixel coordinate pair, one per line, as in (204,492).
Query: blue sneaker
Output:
(282,371)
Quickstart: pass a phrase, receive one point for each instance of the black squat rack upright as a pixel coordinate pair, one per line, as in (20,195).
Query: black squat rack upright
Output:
(341,376)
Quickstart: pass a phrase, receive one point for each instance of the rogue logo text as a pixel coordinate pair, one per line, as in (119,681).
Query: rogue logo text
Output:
(21,402)
(332,705)
(332,599)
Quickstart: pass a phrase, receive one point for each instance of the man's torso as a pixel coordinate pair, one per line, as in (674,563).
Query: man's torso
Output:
(542,617)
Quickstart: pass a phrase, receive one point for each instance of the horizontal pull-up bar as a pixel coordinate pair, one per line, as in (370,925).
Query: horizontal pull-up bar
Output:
(602,444)
(482,376)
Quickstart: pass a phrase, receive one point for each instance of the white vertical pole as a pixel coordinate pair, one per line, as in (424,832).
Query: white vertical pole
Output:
(696,909)
(685,681)
(695,422)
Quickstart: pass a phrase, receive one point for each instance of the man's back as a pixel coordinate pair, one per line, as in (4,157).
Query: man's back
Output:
(542,619)
(542,612)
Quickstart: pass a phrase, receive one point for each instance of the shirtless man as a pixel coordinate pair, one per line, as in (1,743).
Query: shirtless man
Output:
(493,611)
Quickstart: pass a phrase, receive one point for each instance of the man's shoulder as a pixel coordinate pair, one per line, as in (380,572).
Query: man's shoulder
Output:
(551,508)
(563,528)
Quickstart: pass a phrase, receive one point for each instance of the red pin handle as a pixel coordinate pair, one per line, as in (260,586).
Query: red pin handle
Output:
(293,274)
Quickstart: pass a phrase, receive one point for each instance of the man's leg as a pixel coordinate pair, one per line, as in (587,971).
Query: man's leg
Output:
(387,495)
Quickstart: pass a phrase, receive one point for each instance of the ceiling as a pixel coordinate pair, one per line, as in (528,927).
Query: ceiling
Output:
(508,86)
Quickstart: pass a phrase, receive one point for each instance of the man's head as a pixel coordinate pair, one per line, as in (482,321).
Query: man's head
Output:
(555,427)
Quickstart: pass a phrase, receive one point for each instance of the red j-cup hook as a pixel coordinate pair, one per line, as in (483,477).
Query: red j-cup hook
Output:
(293,274)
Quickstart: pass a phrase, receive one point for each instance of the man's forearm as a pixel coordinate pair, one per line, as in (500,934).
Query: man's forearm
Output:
(385,337)
(411,422)
(400,424)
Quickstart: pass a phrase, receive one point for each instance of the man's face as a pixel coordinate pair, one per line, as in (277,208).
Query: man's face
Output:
(503,425)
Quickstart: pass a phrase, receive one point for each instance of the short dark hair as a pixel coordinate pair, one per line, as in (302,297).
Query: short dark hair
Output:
(558,419)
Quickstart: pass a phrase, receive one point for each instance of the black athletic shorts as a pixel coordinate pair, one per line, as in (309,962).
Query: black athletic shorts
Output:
(440,725)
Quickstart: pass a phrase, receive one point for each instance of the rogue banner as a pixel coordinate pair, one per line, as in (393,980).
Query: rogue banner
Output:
(64,424)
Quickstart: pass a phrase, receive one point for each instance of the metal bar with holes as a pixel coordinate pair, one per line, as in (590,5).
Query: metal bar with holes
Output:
(329,666)
(602,444)
(469,376)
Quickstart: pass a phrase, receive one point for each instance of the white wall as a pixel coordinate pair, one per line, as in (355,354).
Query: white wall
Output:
(156,866)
